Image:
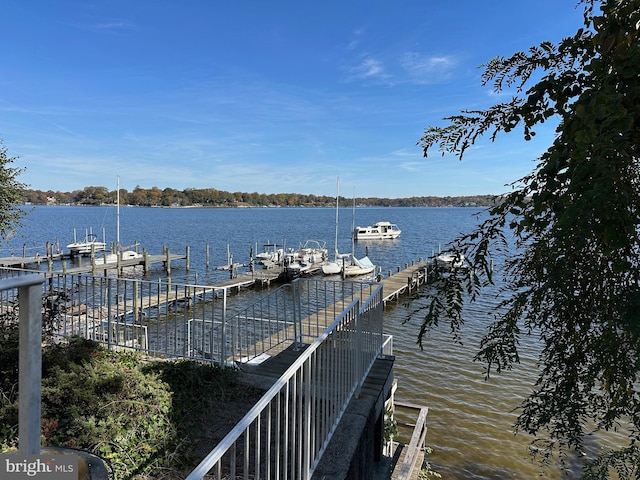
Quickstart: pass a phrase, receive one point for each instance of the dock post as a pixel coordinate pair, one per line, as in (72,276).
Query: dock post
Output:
(188,255)
(136,308)
(206,255)
(168,261)
(145,256)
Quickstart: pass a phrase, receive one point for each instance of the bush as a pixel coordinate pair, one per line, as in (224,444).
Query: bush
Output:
(143,418)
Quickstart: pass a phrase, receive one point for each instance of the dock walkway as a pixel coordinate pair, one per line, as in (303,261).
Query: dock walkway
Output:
(405,281)
(91,265)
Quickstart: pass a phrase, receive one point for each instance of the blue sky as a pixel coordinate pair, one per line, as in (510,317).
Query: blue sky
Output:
(257,96)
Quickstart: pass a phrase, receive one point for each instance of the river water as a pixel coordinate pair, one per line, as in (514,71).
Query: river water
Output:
(470,419)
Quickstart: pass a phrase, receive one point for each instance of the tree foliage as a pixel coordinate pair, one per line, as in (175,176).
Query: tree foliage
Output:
(11,194)
(570,229)
(210,197)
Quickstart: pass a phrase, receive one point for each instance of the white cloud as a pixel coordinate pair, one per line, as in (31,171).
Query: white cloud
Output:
(368,69)
(423,69)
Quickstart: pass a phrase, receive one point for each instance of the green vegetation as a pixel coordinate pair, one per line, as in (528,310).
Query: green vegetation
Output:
(573,279)
(146,419)
(11,195)
(210,197)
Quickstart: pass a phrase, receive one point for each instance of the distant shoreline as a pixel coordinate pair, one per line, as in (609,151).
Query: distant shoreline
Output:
(246,206)
(212,198)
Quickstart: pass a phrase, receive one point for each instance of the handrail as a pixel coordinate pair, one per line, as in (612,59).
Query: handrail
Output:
(338,327)
(415,449)
(311,407)
(30,358)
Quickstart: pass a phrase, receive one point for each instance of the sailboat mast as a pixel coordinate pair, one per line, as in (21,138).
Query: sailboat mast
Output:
(335,244)
(118,213)
(353,225)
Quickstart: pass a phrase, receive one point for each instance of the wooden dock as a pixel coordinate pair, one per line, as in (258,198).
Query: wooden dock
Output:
(405,281)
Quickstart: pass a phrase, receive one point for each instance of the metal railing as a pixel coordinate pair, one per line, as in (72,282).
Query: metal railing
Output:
(285,434)
(163,319)
(26,294)
(152,317)
(337,325)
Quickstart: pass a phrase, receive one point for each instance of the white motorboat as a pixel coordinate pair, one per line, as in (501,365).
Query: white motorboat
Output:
(90,244)
(379,231)
(307,259)
(448,261)
(271,254)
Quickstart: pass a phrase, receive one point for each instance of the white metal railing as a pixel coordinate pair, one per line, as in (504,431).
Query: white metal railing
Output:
(164,319)
(294,314)
(285,434)
(149,316)
(27,290)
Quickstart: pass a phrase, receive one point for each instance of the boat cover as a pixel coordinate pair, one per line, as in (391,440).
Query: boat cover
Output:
(364,262)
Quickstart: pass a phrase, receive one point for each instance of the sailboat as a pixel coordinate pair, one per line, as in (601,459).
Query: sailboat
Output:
(356,267)
(348,265)
(335,267)
(122,253)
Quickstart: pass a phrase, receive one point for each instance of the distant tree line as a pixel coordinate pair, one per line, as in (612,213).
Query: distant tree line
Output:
(210,197)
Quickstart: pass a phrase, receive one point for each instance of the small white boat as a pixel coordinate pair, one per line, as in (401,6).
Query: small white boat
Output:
(362,266)
(335,266)
(379,231)
(347,264)
(448,262)
(90,244)
(124,254)
(307,259)
(271,254)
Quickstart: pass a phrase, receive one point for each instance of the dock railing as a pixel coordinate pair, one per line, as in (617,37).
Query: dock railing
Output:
(337,327)
(286,432)
(164,319)
(295,314)
(151,317)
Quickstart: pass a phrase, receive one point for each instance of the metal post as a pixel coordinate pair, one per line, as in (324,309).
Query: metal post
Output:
(223,332)
(297,315)
(29,359)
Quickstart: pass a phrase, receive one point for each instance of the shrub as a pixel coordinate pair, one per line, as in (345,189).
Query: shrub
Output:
(145,419)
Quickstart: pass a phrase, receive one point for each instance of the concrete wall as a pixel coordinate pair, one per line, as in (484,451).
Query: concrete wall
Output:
(355,450)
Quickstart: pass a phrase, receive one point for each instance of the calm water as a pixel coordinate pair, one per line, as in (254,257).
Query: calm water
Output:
(470,420)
